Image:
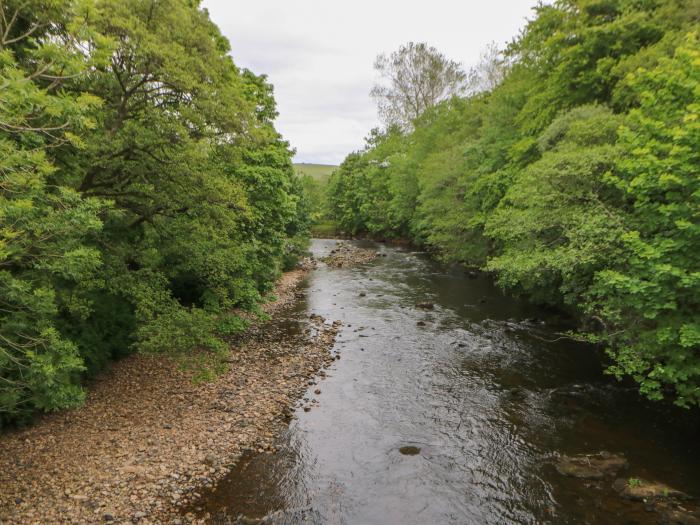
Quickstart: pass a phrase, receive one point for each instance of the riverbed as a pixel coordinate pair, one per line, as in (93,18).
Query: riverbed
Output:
(449,403)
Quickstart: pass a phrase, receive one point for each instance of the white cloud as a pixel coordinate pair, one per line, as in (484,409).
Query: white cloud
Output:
(319,55)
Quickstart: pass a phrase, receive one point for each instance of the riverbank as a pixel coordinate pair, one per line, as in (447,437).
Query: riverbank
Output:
(148,438)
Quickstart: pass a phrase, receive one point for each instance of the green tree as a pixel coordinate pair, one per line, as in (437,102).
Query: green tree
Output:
(145,192)
(573,179)
(201,182)
(650,303)
(46,255)
(559,221)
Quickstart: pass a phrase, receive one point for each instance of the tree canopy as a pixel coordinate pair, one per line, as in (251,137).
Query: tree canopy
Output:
(415,78)
(144,191)
(574,179)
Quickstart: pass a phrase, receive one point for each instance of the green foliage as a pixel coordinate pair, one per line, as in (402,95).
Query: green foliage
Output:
(46,260)
(651,302)
(574,181)
(634,482)
(558,222)
(144,192)
(315,182)
(363,195)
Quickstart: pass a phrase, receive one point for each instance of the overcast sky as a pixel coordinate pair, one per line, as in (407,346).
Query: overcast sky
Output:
(318,54)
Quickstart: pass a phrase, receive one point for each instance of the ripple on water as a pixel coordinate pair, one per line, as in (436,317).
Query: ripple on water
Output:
(475,390)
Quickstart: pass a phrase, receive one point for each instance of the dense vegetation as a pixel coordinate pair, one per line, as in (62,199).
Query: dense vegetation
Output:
(144,192)
(576,180)
(314,180)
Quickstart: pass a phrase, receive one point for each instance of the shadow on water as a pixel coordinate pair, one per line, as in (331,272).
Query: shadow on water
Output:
(452,414)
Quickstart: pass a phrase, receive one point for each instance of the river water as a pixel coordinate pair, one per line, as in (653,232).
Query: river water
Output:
(452,415)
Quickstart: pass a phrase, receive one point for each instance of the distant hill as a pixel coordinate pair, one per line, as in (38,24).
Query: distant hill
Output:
(315,181)
(320,172)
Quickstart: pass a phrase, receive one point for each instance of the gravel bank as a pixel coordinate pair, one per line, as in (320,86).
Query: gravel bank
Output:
(345,255)
(148,438)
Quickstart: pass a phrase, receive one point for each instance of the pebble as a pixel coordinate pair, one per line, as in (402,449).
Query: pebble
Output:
(346,255)
(142,467)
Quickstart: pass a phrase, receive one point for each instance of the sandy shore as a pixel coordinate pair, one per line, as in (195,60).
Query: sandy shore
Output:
(148,438)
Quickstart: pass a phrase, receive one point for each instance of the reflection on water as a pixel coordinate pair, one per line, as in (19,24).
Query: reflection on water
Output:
(452,415)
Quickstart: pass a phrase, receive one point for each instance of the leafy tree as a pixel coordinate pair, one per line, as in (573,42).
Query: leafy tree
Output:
(202,184)
(649,304)
(144,192)
(46,257)
(559,221)
(489,72)
(418,77)
(573,179)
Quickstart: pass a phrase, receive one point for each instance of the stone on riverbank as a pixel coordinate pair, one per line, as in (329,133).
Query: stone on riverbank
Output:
(148,438)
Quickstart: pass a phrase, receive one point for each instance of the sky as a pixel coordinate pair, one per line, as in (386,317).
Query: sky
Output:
(319,55)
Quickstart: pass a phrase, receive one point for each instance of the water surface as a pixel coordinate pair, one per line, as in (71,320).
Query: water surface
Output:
(452,415)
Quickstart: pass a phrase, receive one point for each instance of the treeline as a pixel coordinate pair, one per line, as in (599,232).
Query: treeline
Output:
(144,192)
(576,180)
(314,180)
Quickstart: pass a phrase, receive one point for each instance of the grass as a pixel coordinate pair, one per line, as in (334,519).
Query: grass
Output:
(319,172)
(315,180)
(324,229)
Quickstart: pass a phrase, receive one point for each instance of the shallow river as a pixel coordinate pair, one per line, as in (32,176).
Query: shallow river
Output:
(452,415)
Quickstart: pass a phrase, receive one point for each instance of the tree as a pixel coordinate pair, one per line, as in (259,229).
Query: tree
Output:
(649,297)
(45,228)
(573,178)
(488,72)
(559,221)
(201,182)
(418,77)
(145,194)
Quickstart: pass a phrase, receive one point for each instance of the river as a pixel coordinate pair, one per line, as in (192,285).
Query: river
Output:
(452,415)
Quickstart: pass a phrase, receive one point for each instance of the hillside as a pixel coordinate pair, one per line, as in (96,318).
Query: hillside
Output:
(319,172)
(315,178)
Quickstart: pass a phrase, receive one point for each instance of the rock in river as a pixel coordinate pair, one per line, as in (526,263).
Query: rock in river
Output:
(591,466)
(640,489)
(676,515)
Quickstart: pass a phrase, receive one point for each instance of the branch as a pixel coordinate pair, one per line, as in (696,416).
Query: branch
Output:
(22,36)
(11,127)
